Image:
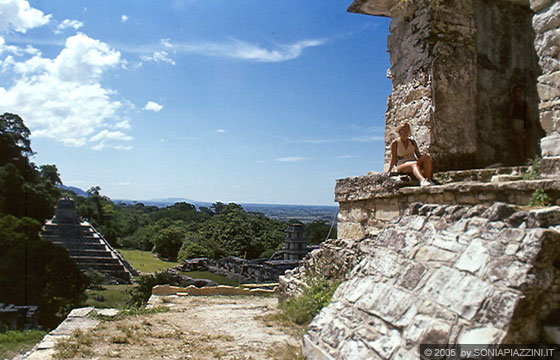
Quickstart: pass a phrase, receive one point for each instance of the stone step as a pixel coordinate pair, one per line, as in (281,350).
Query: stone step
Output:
(85,260)
(80,246)
(480,175)
(93,253)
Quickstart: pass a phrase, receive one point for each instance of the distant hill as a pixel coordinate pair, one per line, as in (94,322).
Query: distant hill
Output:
(304,213)
(78,191)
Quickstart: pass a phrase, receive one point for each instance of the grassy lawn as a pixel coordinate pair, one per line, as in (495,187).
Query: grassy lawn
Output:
(14,341)
(114,296)
(146,261)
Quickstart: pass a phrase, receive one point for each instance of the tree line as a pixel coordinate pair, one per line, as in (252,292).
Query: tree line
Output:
(180,231)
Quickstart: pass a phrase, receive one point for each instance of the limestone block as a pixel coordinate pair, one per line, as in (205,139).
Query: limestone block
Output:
(467,198)
(333,332)
(383,262)
(548,86)
(474,257)
(432,253)
(538,5)
(447,240)
(461,292)
(427,330)
(550,119)
(313,352)
(354,348)
(550,145)
(387,302)
(510,272)
(549,216)
(387,210)
(357,215)
(481,335)
(550,166)
(500,309)
(351,231)
(379,337)
(411,275)
(547,19)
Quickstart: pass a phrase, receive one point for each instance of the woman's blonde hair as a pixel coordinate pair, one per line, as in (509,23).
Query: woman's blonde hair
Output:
(403,125)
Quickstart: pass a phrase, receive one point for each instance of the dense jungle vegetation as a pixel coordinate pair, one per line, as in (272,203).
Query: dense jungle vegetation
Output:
(33,271)
(180,231)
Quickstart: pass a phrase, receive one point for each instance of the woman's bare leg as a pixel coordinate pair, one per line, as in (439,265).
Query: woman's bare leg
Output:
(425,162)
(411,167)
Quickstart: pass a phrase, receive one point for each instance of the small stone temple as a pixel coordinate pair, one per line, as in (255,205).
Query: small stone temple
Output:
(296,245)
(467,261)
(86,246)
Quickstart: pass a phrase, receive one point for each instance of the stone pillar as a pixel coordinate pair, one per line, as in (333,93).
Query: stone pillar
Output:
(546,23)
(432,56)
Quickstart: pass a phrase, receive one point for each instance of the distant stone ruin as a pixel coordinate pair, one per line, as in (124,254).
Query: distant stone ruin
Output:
(86,246)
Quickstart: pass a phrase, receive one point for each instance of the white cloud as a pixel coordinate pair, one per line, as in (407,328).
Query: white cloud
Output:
(124,18)
(153,106)
(18,16)
(159,56)
(221,131)
(238,49)
(66,24)
(63,99)
(291,159)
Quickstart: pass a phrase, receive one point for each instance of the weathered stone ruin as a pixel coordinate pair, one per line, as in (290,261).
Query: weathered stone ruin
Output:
(452,70)
(86,246)
(466,261)
(241,270)
(446,274)
(18,317)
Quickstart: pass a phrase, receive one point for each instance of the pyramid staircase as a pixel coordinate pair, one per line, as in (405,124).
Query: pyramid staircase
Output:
(86,246)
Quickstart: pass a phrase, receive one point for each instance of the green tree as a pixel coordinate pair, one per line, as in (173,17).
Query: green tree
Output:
(318,230)
(15,146)
(168,241)
(50,172)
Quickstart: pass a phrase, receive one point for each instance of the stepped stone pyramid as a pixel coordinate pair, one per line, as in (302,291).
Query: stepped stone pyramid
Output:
(86,246)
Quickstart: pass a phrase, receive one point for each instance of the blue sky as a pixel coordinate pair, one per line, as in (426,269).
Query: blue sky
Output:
(212,100)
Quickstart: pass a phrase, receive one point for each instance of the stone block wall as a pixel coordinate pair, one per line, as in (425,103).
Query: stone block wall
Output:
(365,204)
(446,274)
(452,70)
(546,23)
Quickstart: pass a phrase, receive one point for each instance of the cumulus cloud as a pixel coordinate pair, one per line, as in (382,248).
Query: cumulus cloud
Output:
(124,18)
(66,24)
(63,99)
(221,131)
(153,106)
(17,15)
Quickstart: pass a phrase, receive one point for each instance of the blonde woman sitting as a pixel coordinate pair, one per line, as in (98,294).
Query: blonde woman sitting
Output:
(407,157)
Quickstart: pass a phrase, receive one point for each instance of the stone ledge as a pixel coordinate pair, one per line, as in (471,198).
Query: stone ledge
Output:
(361,188)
